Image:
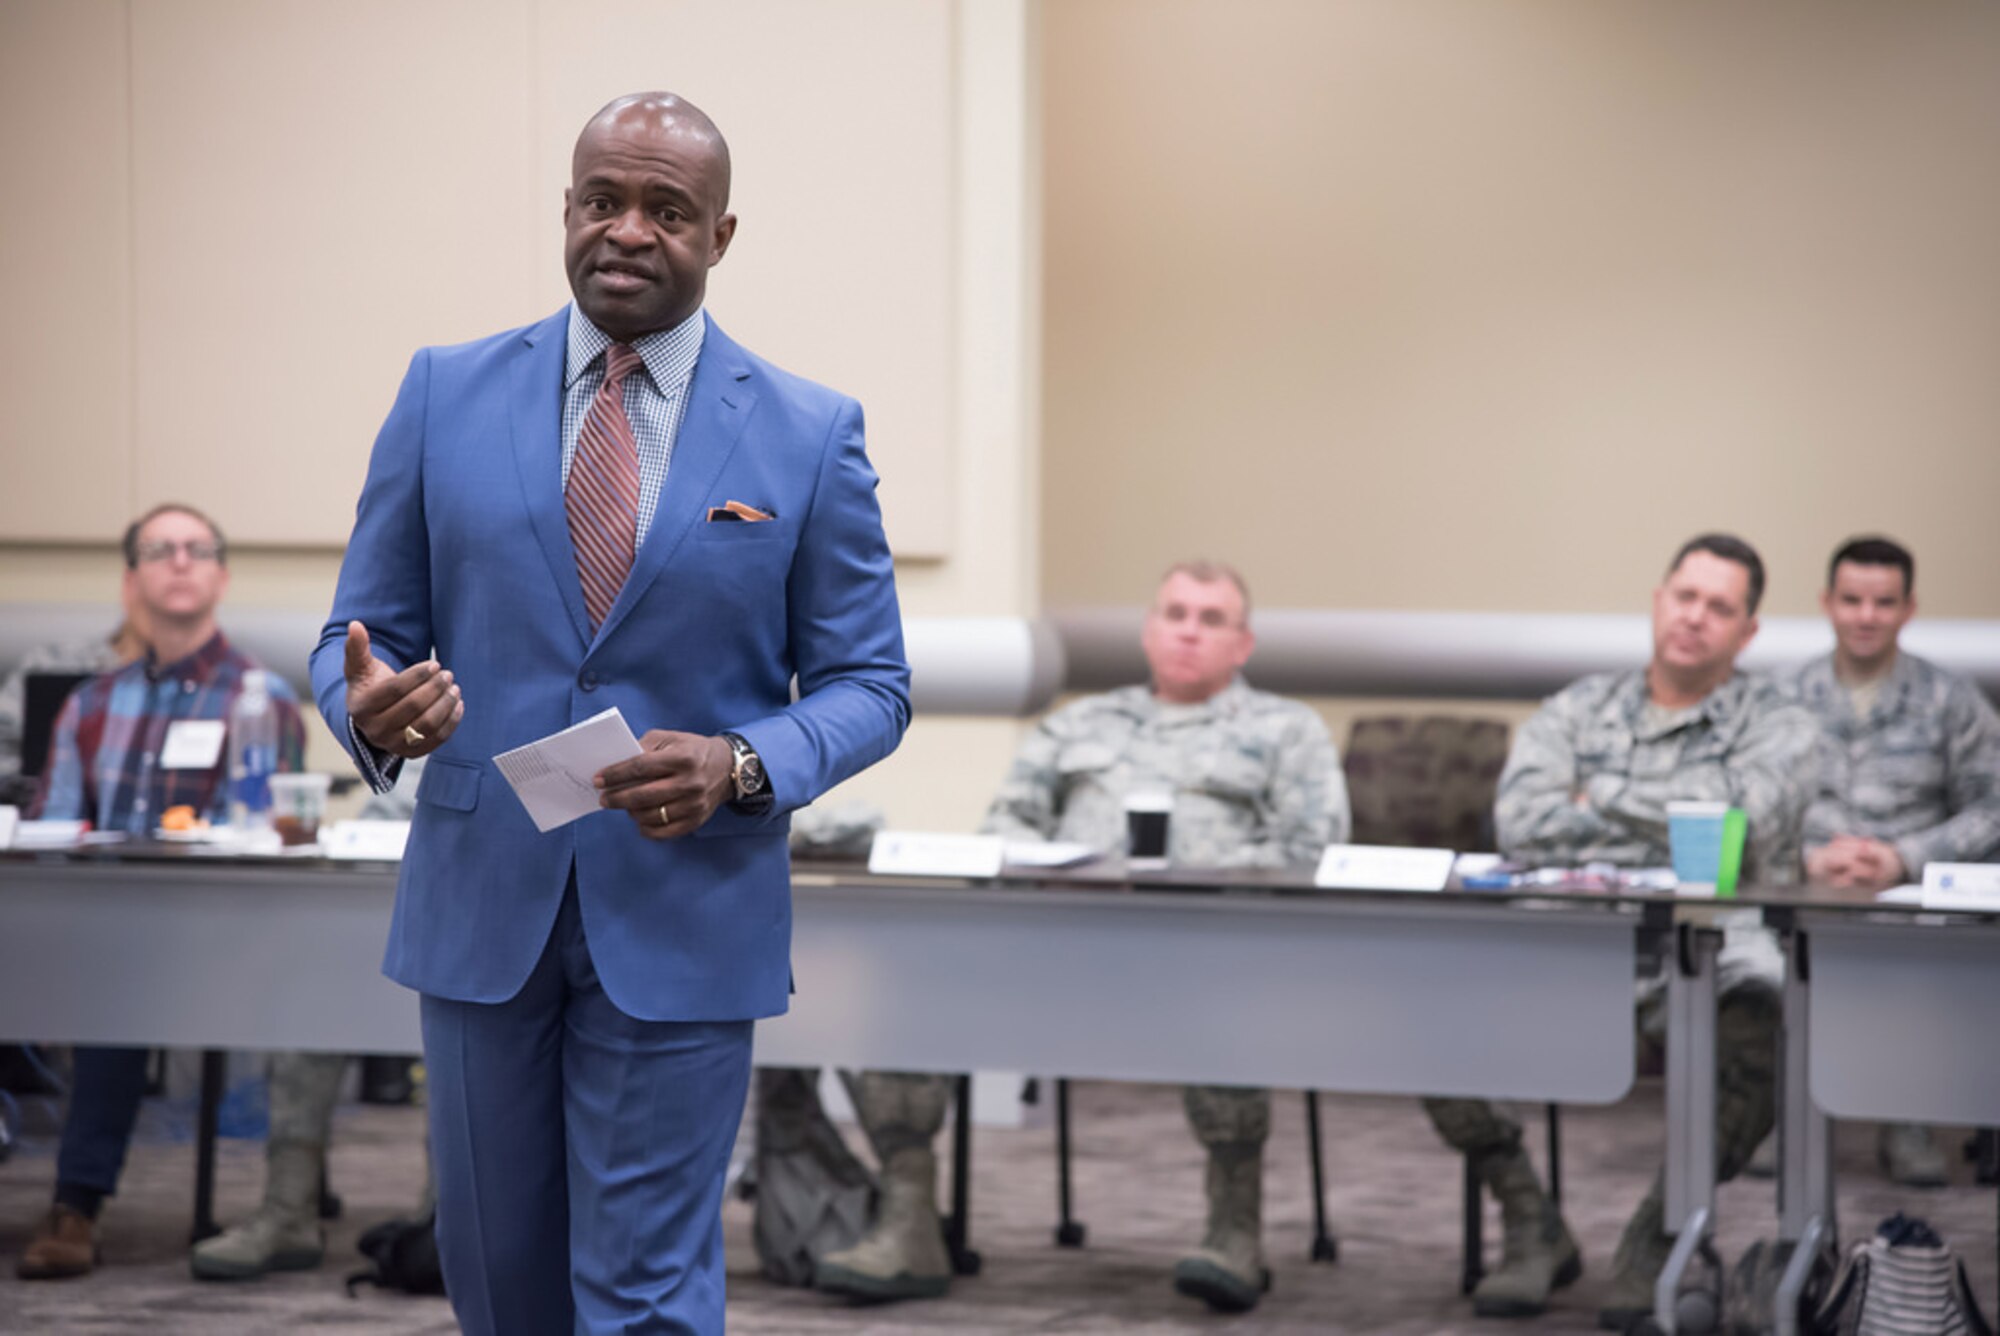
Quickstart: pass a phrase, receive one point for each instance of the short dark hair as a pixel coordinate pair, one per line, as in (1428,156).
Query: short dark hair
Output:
(1875,550)
(1208,572)
(131,543)
(1730,548)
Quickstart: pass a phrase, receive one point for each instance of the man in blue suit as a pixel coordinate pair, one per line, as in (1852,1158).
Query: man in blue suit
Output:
(617,506)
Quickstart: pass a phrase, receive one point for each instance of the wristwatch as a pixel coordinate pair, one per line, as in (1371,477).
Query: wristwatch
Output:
(753,786)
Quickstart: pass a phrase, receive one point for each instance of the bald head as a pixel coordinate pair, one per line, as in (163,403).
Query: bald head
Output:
(668,115)
(646,215)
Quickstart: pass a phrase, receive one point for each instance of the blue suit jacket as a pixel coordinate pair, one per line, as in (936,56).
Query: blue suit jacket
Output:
(461,544)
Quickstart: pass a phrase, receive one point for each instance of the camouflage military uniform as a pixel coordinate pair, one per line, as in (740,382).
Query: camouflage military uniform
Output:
(1917,766)
(1255,778)
(1588,780)
(1921,770)
(1256,783)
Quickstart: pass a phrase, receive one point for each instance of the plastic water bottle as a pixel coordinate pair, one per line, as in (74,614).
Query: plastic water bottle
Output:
(253,754)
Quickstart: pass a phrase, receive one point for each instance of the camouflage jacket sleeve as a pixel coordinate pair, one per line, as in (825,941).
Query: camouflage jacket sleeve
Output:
(1307,802)
(12,690)
(1772,777)
(1025,806)
(1536,814)
(1972,769)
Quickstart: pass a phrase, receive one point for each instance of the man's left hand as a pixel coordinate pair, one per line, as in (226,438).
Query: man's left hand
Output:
(673,785)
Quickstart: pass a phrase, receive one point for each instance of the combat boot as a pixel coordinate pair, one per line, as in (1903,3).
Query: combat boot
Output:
(1642,1255)
(903,1255)
(1909,1154)
(284,1234)
(1227,1272)
(1537,1255)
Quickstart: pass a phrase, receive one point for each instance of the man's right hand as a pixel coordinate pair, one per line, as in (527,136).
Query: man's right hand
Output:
(406,714)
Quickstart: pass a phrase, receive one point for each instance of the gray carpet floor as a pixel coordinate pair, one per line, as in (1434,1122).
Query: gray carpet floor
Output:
(1394,1193)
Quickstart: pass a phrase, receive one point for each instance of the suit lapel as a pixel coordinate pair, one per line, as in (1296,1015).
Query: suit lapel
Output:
(536,425)
(720,397)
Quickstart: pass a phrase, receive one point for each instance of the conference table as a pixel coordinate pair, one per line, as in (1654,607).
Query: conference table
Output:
(1239,978)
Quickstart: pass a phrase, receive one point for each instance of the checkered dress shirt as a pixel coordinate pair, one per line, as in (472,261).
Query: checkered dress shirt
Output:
(103,762)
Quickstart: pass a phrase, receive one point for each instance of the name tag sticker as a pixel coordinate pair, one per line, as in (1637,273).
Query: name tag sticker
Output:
(1374,867)
(912,853)
(1962,886)
(192,744)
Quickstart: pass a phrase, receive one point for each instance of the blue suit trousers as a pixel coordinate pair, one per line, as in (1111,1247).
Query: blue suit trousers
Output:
(580,1154)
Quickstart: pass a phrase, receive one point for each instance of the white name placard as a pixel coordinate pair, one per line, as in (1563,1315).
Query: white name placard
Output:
(1377,867)
(10,817)
(912,853)
(365,841)
(1962,886)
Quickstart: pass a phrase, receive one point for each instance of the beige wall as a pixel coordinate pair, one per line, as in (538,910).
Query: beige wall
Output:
(229,224)
(1486,304)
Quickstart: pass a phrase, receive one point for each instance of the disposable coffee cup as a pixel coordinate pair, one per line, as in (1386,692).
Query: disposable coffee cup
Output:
(298,805)
(1706,839)
(1147,818)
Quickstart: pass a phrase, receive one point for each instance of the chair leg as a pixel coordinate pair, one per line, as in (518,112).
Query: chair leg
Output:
(1555,1156)
(208,1117)
(1069,1230)
(1474,1266)
(1325,1248)
(964,1261)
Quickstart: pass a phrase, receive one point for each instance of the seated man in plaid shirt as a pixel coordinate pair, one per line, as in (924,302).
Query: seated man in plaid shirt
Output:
(121,756)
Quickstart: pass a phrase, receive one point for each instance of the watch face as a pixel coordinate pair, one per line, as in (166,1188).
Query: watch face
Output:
(752,780)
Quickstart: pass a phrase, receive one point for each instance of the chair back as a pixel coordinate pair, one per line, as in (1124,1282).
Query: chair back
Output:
(1425,780)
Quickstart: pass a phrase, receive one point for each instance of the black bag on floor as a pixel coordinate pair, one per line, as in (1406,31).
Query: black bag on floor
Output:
(402,1255)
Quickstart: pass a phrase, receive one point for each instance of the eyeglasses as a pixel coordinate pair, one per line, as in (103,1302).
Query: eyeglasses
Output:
(162,550)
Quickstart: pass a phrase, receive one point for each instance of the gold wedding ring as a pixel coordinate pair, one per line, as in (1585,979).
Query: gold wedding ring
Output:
(665,820)
(412,736)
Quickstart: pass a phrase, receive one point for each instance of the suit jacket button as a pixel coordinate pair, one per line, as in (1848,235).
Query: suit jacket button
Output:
(588,681)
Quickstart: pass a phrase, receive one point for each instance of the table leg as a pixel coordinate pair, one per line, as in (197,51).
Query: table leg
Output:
(1807,1219)
(1690,1170)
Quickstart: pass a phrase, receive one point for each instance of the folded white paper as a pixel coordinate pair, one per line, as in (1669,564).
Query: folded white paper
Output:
(552,777)
(1375,867)
(1053,853)
(48,834)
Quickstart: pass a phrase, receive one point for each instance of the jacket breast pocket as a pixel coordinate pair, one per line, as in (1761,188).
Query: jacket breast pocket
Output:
(1237,777)
(453,785)
(741,533)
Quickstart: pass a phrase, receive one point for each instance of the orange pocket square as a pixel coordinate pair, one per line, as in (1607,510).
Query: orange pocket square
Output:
(736,511)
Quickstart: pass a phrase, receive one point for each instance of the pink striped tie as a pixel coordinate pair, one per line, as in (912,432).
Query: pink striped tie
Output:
(603,494)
